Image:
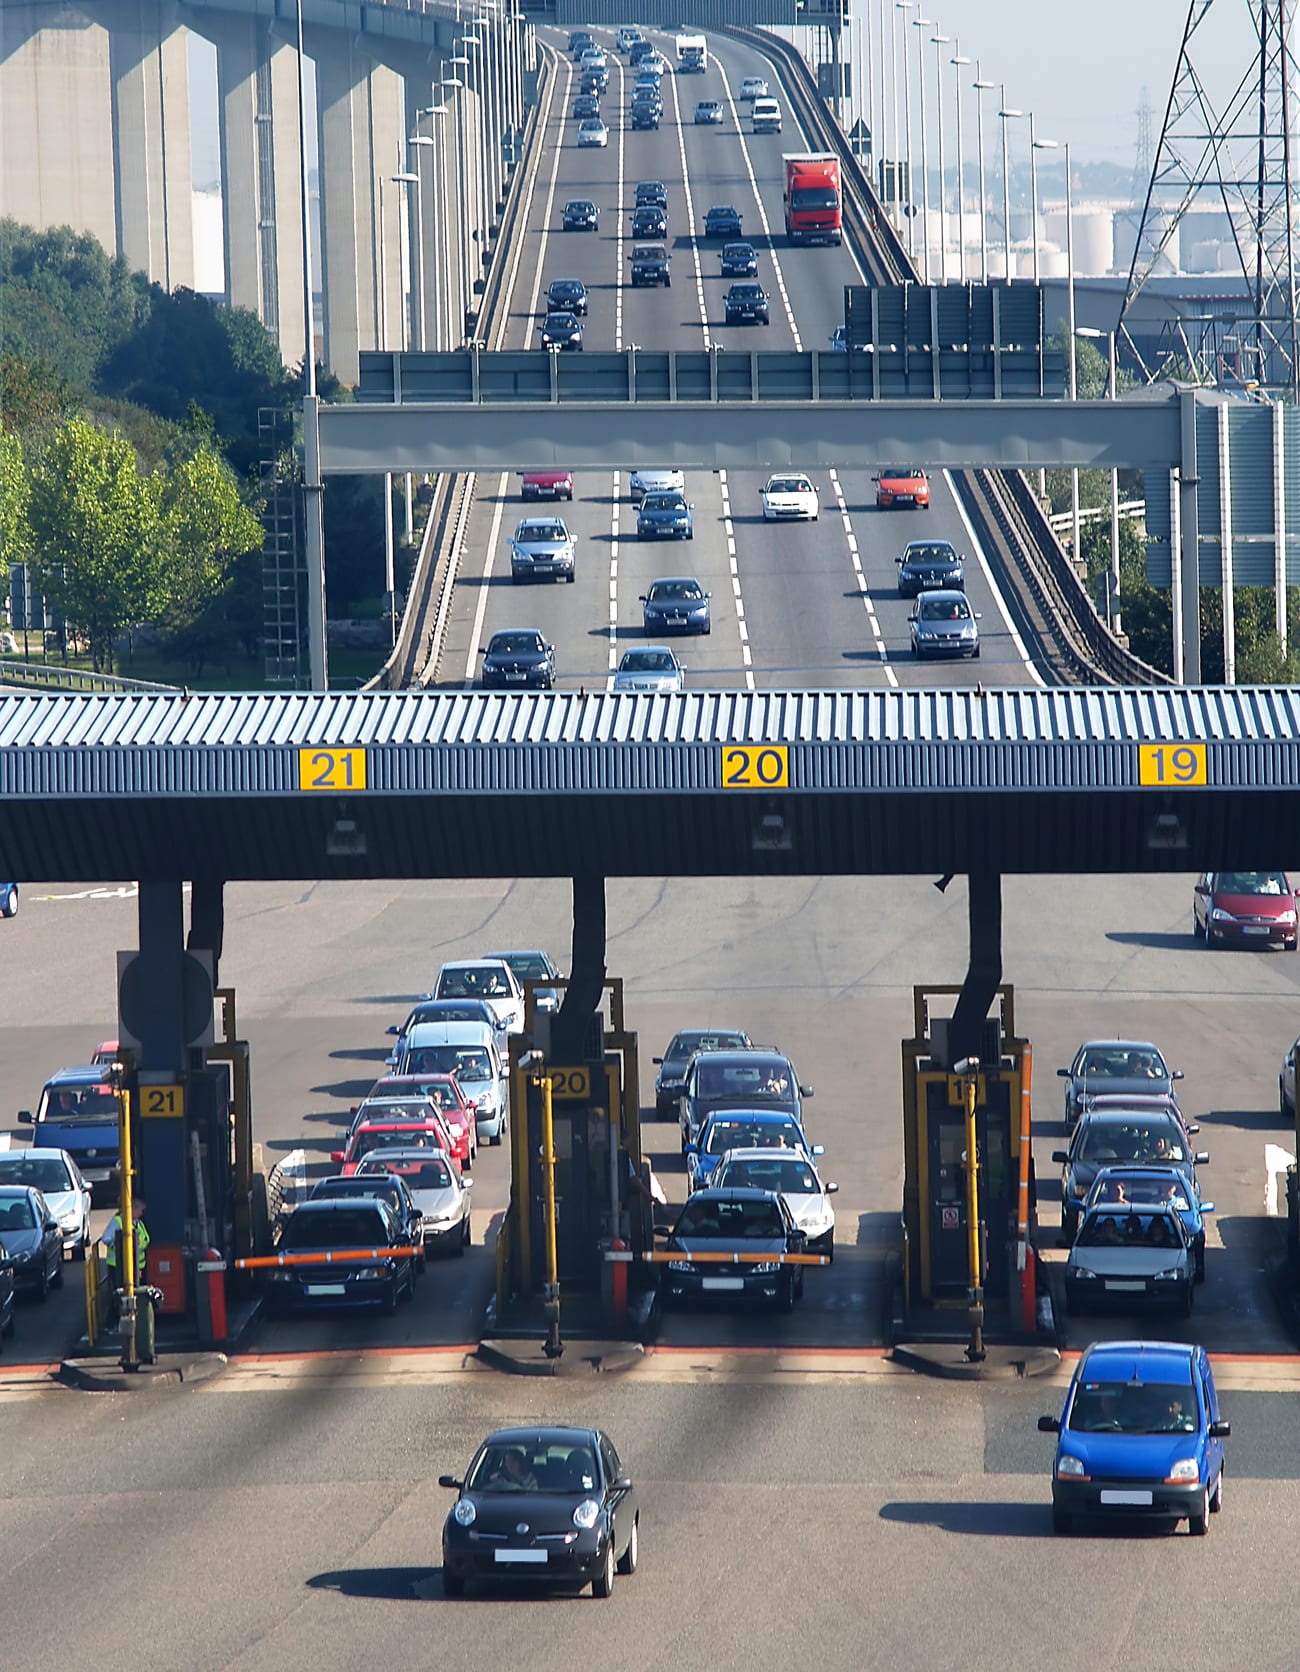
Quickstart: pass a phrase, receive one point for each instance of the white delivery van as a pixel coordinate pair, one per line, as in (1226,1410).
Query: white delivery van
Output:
(766,116)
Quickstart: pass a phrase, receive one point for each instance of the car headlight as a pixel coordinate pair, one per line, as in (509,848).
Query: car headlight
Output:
(1218,915)
(1187,1469)
(28,1257)
(586,1513)
(370,1274)
(1286,917)
(680,1265)
(465,1514)
(1168,1275)
(968,631)
(1082,1271)
(765,1268)
(1070,1468)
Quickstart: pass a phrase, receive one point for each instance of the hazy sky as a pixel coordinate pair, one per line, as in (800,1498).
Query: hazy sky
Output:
(1079,64)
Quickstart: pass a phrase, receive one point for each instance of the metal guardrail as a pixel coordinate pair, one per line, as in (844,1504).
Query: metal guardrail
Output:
(42,676)
(1129,509)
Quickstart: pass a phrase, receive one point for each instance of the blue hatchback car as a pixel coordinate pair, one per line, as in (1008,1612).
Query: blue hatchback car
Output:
(743,1129)
(1141,1436)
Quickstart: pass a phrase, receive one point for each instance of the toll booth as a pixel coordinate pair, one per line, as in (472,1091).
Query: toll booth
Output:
(936,1226)
(596,1126)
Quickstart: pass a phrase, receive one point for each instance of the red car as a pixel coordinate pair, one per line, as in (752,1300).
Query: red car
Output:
(445,1093)
(902,485)
(388,1134)
(1245,908)
(547,484)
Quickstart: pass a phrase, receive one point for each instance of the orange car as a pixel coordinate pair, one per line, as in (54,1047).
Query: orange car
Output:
(902,485)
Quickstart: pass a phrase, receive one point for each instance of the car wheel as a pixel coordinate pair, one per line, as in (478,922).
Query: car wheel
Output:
(409,1292)
(57,1279)
(785,1294)
(82,1245)
(1062,1522)
(1216,1497)
(1185,1311)
(975,654)
(1290,946)
(628,1560)
(1199,1523)
(462,1242)
(11,904)
(1200,1262)
(390,1299)
(571,577)
(495,1139)
(603,1584)
(43,1292)
(453,1585)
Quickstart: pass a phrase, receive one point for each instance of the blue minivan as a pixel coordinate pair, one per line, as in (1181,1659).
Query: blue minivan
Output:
(78,1113)
(1141,1436)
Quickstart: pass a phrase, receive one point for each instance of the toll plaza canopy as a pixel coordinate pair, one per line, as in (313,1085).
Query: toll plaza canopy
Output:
(470,784)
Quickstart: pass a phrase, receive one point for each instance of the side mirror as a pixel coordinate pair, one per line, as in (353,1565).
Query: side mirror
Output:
(1192,1130)
(1202,1158)
(1176,1074)
(658,1061)
(1061,1156)
(691,1149)
(1207,1207)
(1049,1425)
(336,1155)
(623,1483)
(1202,888)
(898,559)
(25,1117)
(1220,1430)
(832,1189)
(450,1482)
(51,1224)
(642,599)
(805,1091)
(663,1230)
(1063,1073)
(394,1029)
(468,1183)
(818,1149)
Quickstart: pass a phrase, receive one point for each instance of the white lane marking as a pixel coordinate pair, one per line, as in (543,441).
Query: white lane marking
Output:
(480,608)
(1276,1162)
(613,584)
(998,599)
(762,212)
(618,205)
(742,626)
(855,557)
(690,216)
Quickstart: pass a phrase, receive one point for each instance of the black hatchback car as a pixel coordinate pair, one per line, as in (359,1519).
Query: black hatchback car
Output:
(929,565)
(566,296)
(561,330)
(518,657)
(649,221)
(739,261)
(586,107)
(647,115)
(388,1187)
(722,221)
(650,191)
(550,1505)
(746,304)
(580,214)
(754,1223)
(379,1275)
(32,1238)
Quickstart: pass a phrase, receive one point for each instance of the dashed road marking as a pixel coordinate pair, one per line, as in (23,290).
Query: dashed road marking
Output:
(855,557)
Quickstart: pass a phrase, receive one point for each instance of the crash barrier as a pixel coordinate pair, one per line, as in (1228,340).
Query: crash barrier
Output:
(323,1257)
(661,1256)
(46,676)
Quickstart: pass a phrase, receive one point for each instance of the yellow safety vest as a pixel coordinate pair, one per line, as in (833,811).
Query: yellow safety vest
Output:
(141,1244)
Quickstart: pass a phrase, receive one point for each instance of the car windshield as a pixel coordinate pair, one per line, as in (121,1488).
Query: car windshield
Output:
(580,207)
(412,1137)
(675,592)
(1109,1229)
(528,966)
(751,1134)
(746,292)
(943,609)
(554,322)
(467,1062)
(417,1173)
(647,661)
(705,1216)
(1103,1141)
(513,644)
(369,1181)
(813,197)
(789,484)
(342,1227)
(16,1214)
(1144,1191)
(760,1077)
(410,1108)
(786,1174)
(465,981)
(78,1103)
(663,502)
(648,252)
(441,1092)
(45,1173)
(930,554)
(1135,1408)
(1250,882)
(1115,1062)
(683,1045)
(526,1467)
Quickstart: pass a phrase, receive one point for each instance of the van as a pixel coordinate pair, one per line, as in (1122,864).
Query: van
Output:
(766,116)
(469,1050)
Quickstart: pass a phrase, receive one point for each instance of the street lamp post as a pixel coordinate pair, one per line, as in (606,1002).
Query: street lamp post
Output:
(1035,146)
(959,64)
(474,69)
(1006,116)
(982,87)
(448,334)
(904,6)
(461,60)
(1112,394)
(920,24)
(312,487)
(939,41)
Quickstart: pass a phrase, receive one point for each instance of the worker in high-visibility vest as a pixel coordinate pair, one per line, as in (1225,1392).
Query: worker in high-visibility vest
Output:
(112,1238)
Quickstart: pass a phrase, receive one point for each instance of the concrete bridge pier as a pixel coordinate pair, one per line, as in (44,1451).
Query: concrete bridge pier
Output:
(149,64)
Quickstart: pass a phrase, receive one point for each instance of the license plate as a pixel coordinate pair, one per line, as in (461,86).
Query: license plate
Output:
(723,1283)
(518,676)
(521,1555)
(1255,929)
(1126,1285)
(1136,1498)
(324,1289)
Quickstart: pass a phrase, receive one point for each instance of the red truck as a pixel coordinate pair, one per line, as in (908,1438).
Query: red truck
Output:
(812,198)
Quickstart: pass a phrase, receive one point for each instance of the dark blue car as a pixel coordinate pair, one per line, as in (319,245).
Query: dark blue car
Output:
(743,1129)
(676,604)
(665,516)
(929,565)
(1141,1437)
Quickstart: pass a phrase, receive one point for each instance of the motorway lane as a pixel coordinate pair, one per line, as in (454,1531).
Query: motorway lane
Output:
(846,1517)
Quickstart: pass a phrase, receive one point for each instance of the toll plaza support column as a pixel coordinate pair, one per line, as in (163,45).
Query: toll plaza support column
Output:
(984,967)
(158,1022)
(571,1029)
(208,919)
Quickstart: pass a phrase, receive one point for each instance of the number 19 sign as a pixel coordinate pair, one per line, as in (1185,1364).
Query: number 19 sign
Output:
(1171,765)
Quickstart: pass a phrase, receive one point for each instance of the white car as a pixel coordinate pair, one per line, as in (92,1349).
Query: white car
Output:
(67,1195)
(468,1050)
(488,979)
(592,133)
(436,1188)
(649,667)
(643,482)
(791,1175)
(789,498)
(752,87)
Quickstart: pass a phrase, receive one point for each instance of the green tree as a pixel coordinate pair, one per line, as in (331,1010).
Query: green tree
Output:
(97,535)
(207,528)
(15,496)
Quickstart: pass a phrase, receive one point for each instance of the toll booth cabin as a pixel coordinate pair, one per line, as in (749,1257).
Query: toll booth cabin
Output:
(936,1253)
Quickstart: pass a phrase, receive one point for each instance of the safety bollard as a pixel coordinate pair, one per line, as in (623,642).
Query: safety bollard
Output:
(211,1293)
(618,1254)
(1029,1291)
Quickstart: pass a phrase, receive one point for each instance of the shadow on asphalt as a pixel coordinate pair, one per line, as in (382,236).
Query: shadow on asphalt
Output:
(983,1520)
(384,1584)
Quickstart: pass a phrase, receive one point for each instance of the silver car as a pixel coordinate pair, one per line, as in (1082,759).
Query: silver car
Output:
(793,1176)
(591,133)
(944,624)
(543,548)
(643,482)
(1115,1067)
(649,667)
(436,1188)
(67,1195)
(1130,1255)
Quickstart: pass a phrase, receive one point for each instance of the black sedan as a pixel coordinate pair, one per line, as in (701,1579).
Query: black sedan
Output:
(928,565)
(566,296)
(746,304)
(518,657)
(650,191)
(646,115)
(677,604)
(722,221)
(585,107)
(739,261)
(755,1223)
(380,1273)
(388,1187)
(550,1505)
(649,221)
(32,1239)
(580,214)
(562,331)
